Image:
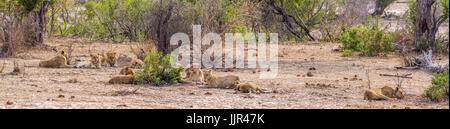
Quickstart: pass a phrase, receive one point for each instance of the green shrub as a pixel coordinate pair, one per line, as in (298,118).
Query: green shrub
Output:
(438,91)
(158,70)
(369,40)
(347,53)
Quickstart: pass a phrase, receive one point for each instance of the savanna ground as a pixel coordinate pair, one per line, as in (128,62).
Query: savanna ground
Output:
(327,88)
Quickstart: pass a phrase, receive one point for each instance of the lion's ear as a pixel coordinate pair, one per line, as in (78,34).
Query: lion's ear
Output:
(397,89)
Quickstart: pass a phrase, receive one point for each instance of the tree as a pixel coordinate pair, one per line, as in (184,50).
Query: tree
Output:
(163,23)
(291,21)
(22,23)
(381,5)
(427,22)
(38,22)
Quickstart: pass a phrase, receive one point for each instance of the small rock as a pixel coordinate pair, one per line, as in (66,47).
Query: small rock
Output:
(9,103)
(309,74)
(312,68)
(208,93)
(192,93)
(72,97)
(345,78)
(254,71)
(61,96)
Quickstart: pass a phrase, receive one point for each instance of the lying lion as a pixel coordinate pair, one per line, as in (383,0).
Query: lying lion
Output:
(59,61)
(385,93)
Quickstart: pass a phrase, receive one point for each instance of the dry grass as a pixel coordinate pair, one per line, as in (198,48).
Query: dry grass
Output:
(141,49)
(14,43)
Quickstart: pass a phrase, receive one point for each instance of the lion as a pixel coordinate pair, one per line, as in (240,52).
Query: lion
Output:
(2,68)
(194,76)
(248,88)
(94,63)
(385,93)
(136,63)
(110,60)
(59,61)
(215,81)
(127,79)
(127,71)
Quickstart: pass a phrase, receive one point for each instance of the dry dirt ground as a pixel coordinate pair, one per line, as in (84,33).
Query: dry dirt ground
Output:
(326,89)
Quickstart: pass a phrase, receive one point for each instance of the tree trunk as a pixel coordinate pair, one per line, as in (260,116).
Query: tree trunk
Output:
(36,25)
(424,23)
(162,27)
(381,5)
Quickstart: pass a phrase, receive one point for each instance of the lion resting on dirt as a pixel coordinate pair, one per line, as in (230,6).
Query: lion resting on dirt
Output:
(94,63)
(59,61)
(128,79)
(127,71)
(248,88)
(214,81)
(136,63)
(110,60)
(194,76)
(385,93)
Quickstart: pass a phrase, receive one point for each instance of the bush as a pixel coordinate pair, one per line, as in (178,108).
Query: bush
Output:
(347,53)
(438,91)
(369,40)
(158,70)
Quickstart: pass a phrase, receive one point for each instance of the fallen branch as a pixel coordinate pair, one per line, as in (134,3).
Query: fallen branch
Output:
(424,61)
(408,68)
(402,76)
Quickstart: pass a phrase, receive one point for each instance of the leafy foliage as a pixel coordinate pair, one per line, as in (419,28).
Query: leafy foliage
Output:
(411,12)
(158,70)
(369,40)
(310,13)
(439,90)
(445,8)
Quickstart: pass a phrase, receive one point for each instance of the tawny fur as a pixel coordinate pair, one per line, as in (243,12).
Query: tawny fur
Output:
(136,63)
(194,76)
(214,81)
(110,60)
(385,93)
(127,71)
(248,88)
(2,68)
(95,61)
(127,79)
(59,61)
